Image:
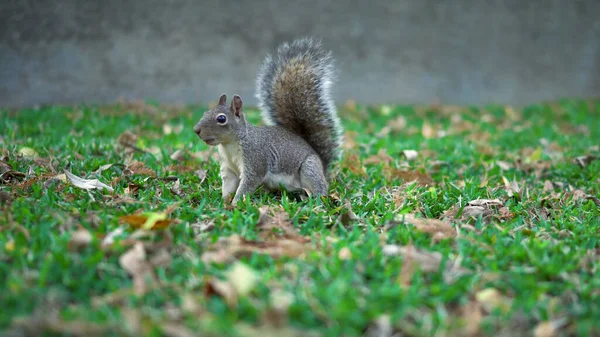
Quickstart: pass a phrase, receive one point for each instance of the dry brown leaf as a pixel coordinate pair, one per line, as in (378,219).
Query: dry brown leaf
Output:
(549,328)
(242,278)
(87,184)
(472,316)
(428,131)
(353,163)
(170,129)
(57,178)
(137,167)
(548,186)
(150,220)
(484,208)
(27,152)
(427,261)
(178,155)
(485,202)
(410,155)
(135,263)
(81,238)
(102,168)
(491,298)
(349,142)
(380,158)
(503,165)
(202,226)
(5,197)
(512,188)
(422,178)
(437,228)
(348,217)
(201,174)
(127,139)
(584,161)
(176,188)
(264,330)
(171,329)
(224,289)
(345,254)
(277,236)
(381,327)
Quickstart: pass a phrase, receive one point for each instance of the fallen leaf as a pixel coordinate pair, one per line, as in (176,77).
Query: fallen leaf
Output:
(148,220)
(353,163)
(109,239)
(423,179)
(27,152)
(409,154)
(345,254)
(242,278)
(87,184)
(169,129)
(281,300)
(171,329)
(485,202)
(428,131)
(103,168)
(381,327)
(512,188)
(178,155)
(81,238)
(472,316)
(425,260)
(224,289)
(203,226)
(503,165)
(490,299)
(435,227)
(5,198)
(277,238)
(201,174)
(584,161)
(380,158)
(348,217)
(137,167)
(134,262)
(548,186)
(176,188)
(549,328)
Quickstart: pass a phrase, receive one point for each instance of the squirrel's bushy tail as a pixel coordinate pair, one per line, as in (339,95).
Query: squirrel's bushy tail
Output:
(293,91)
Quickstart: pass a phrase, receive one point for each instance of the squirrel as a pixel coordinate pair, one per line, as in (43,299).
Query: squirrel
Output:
(302,135)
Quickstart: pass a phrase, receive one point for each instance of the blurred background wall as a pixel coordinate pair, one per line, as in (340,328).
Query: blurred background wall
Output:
(457,52)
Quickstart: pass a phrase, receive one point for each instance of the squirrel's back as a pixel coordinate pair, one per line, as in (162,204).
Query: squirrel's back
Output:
(293,90)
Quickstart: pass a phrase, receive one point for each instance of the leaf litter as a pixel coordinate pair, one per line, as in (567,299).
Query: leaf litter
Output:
(277,237)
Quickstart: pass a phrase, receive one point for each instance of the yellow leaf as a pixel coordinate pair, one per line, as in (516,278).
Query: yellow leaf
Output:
(9,246)
(150,220)
(536,155)
(28,152)
(242,278)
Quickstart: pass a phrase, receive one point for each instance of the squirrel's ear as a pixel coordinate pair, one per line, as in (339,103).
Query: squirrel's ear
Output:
(223,99)
(236,105)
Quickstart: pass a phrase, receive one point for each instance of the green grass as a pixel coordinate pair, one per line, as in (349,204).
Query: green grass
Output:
(536,255)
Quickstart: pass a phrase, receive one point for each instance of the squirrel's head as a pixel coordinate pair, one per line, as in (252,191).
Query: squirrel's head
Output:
(220,124)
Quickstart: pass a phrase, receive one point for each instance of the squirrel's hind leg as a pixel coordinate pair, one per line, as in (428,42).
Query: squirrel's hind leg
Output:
(312,177)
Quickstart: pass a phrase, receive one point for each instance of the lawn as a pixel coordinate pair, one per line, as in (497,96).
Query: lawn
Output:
(441,221)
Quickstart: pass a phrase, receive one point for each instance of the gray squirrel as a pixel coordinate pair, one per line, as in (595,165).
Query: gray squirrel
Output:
(302,136)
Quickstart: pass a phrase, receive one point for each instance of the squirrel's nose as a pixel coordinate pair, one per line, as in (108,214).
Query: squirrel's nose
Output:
(197,129)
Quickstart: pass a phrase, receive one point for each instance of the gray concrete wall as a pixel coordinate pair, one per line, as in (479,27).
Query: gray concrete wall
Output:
(463,51)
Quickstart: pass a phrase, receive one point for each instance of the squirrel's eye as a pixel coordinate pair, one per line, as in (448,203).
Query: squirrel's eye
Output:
(221,119)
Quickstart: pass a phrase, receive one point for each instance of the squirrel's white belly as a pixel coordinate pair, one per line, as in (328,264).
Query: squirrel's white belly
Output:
(290,182)
(231,156)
